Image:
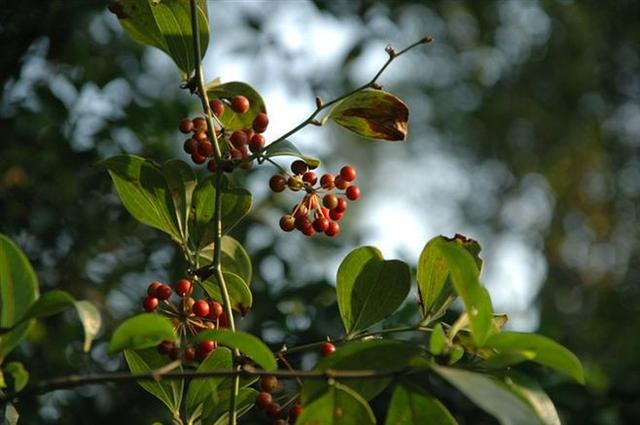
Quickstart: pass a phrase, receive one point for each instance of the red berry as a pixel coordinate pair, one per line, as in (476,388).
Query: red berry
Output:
(236,154)
(333,229)
(310,177)
(353,193)
(200,308)
(238,139)
(249,132)
(150,303)
(151,290)
(256,142)
(197,158)
(330,201)
(320,224)
(287,223)
(163,292)
(277,183)
(273,409)
(327,348)
(348,173)
(335,215)
(300,210)
(205,149)
(190,354)
(201,136)
(215,310)
(302,222)
(199,124)
(240,104)
(174,354)
(186,125)
(260,122)
(295,411)
(165,347)
(263,399)
(217,107)
(341,206)
(207,346)
(222,321)
(341,183)
(269,383)
(299,167)
(183,287)
(326,181)
(211,166)
(190,146)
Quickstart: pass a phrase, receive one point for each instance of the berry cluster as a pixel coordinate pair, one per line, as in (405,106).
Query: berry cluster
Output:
(321,208)
(264,401)
(188,315)
(237,145)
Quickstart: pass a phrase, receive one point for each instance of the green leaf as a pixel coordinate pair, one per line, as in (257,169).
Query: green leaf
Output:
(236,203)
(50,303)
(239,292)
(529,390)
(11,415)
(144,192)
(246,343)
(166,25)
(18,373)
(91,322)
(339,405)
(502,360)
(370,288)
(286,148)
(18,290)
(374,114)
(231,120)
(142,331)
(201,388)
(181,181)
(379,354)
(234,258)
(216,412)
(490,394)
(455,260)
(168,391)
(547,352)
(438,343)
(411,405)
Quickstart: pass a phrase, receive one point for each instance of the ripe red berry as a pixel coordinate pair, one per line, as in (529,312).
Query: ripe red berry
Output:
(240,104)
(186,125)
(320,224)
(273,409)
(211,166)
(295,411)
(353,193)
(327,348)
(260,122)
(263,399)
(326,181)
(163,292)
(201,136)
(165,347)
(217,107)
(340,183)
(299,210)
(207,346)
(348,173)
(310,177)
(256,142)
(330,201)
(197,158)
(151,290)
(341,207)
(205,149)
(200,308)
(287,223)
(183,287)
(238,139)
(333,229)
(199,124)
(190,354)
(150,303)
(174,354)
(249,132)
(299,167)
(269,383)
(335,215)
(277,183)
(222,321)
(190,146)
(215,310)
(302,223)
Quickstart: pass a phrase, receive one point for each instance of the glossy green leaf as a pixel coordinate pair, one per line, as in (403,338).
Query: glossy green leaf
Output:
(18,290)
(374,114)
(286,148)
(216,411)
(438,343)
(248,344)
(339,405)
(379,354)
(91,322)
(234,258)
(181,181)
(11,415)
(168,391)
(236,203)
(141,331)
(200,388)
(547,351)
(50,303)
(166,25)
(490,394)
(411,405)
(230,119)
(528,389)
(509,358)
(370,288)
(19,374)
(144,192)
(239,292)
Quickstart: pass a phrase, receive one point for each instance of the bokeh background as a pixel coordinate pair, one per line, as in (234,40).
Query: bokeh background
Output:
(524,134)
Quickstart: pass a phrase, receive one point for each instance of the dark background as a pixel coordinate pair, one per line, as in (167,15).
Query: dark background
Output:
(543,97)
